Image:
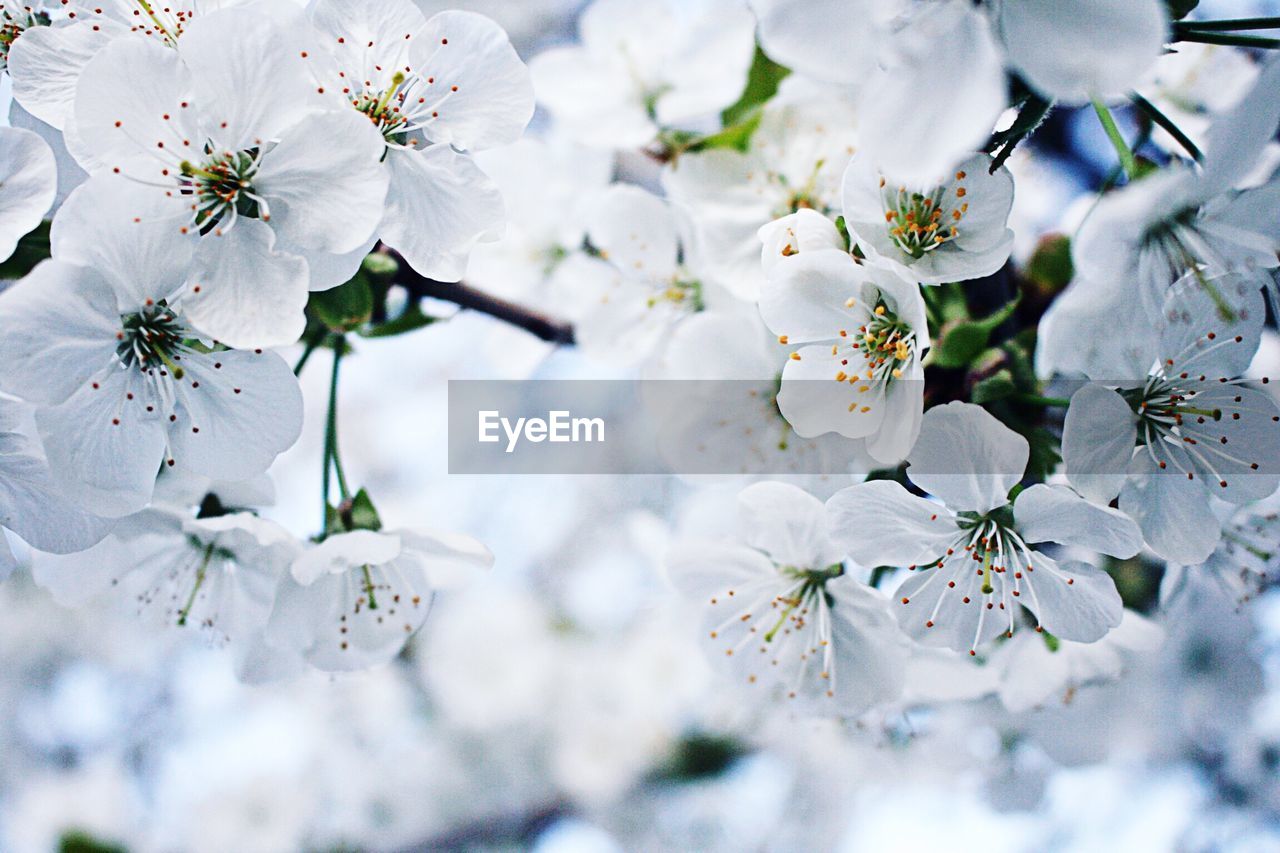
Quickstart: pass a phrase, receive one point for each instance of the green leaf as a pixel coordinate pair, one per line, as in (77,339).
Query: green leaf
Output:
(32,249)
(962,341)
(344,308)
(736,137)
(762,84)
(999,386)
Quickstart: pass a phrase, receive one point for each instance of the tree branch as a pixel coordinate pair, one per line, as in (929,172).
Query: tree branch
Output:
(539,325)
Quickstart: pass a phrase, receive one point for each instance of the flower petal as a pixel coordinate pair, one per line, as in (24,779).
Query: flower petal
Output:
(967,458)
(29,178)
(880,523)
(1172,511)
(1057,514)
(1098,439)
(1073,601)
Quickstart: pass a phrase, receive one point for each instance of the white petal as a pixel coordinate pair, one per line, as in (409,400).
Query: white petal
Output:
(1237,139)
(701,571)
(1057,514)
(8,562)
(788,524)
(246,410)
(129,235)
(1172,511)
(1196,339)
(57,329)
(243,293)
(493,98)
(938,98)
(1073,601)
(324,183)
(882,524)
(904,412)
(807,299)
(449,560)
(103,449)
(635,231)
(963,618)
(1082,50)
(28,185)
(585,99)
(46,63)
(967,458)
(1098,439)
(801,232)
(870,652)
(439,207)
(341,552)
(815,403)
(829,39)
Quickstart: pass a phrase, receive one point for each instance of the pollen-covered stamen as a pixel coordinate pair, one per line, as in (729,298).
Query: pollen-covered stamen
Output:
(682,293)
(152,339)
(921,222)
(222,188)
(879,351)
(160,22)
(784,620)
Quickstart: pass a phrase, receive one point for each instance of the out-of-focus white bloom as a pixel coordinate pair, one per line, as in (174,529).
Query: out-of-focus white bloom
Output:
(216,574)
(835,40)
(47,66)
(233,135)
(781,612)
(434,89)
(646,65)
(355,599)
(537,176)
(1072,52)
(721,413)
(955,229)
(31,505)
(637,289)
(797,156)
(971,562)
(1035,670)
(1199,431)
(1155,230)
(862,334)
(28,185)
(98,800)
(937,95)
(1194,83)
(121,381)
(1246,562)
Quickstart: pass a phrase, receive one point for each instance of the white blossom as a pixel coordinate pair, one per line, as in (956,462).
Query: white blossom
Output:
(971,561)
(28,185)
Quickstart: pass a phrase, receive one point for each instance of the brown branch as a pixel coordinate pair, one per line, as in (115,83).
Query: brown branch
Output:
(539,325)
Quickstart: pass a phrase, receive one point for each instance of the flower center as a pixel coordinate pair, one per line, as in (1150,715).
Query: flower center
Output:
(223,188)
(919,222)
(384,109)
(885,344)
(683,293)
(152,338)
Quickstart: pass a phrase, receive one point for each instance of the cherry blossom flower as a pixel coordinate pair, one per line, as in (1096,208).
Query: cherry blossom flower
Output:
(356,598)
(98,339)
(1155,230)
(946,230)
(1195,83)
(796,160)
(28,185)
(781,612)
(800,232)
(1199,430)
(1246,562)
(1073,52)
(31,504)
(628,296)
(16,18)
(47,66)
(215,572)
(1036,669)
(249,154)
(861,335)
(971,562)
(644,66)
(435,89)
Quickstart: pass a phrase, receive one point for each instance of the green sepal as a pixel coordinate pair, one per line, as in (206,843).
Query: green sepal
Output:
(346,307)
(962,341)
(763,81)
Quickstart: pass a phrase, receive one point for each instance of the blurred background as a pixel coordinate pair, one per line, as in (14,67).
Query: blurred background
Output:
(562,705)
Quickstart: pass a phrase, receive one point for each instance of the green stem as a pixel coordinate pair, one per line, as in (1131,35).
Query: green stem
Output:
(1153,113)
(1229,39)
(313,344)
(331,454)
(1037,400)
(1127,160)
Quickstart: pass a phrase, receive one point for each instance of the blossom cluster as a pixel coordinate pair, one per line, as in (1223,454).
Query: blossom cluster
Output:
(817,197)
